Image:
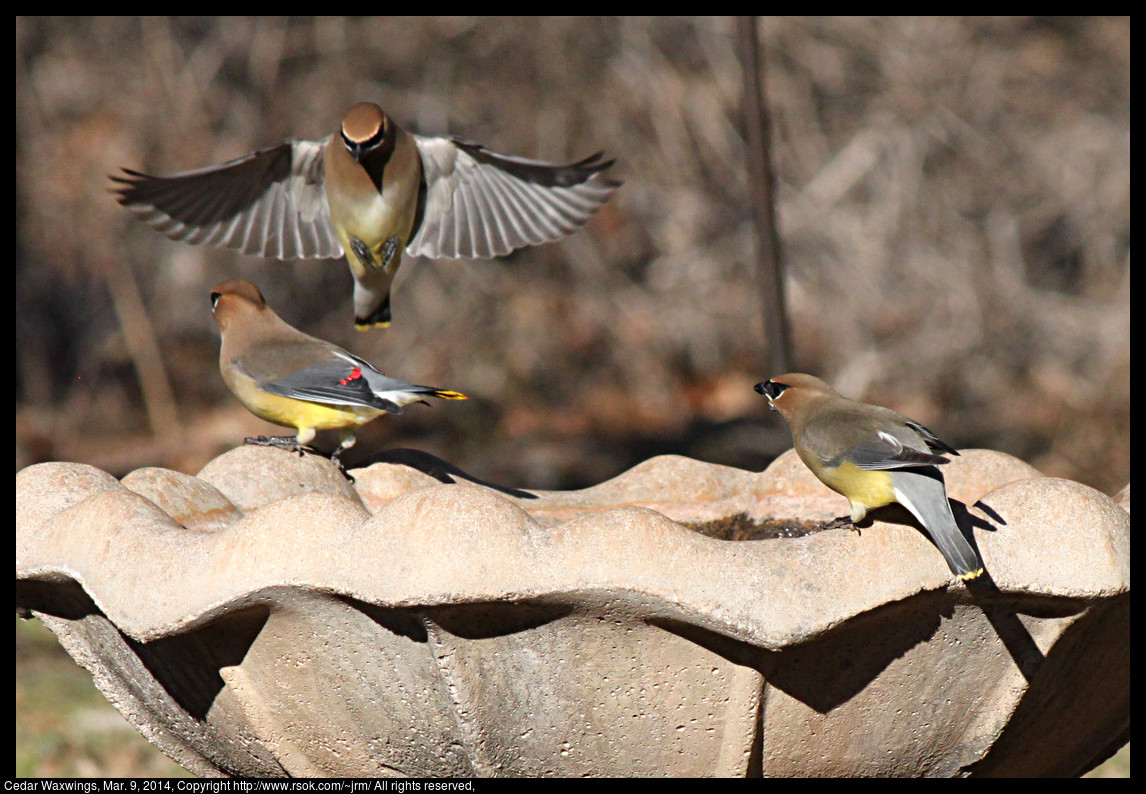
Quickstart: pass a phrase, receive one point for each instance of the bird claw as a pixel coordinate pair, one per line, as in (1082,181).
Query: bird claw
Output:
(389,249)
(843,522)
(365,256)
(337,461)
(362,251)
(289,443)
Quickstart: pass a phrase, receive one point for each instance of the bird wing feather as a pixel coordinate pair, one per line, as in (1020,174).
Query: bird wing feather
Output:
(334,381)
(877,440)
(269,203)
(480,204)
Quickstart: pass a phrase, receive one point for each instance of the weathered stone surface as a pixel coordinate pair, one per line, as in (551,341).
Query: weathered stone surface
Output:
(1123,498)
(252,476)
(192,502)
(269,617)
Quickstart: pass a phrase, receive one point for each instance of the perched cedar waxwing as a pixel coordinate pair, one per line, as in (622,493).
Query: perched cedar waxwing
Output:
(287,377)
(371,192)
(874,457)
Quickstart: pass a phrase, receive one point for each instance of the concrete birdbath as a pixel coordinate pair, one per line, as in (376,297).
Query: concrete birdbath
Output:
(268,617)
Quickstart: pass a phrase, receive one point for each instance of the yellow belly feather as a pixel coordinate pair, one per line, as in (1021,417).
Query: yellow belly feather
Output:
(861,486)
(300,414)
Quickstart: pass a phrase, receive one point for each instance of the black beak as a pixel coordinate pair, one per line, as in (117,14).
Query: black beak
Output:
(770,389)
(357,150)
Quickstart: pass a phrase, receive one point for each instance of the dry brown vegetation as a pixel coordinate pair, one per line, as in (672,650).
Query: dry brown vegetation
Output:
(954,201)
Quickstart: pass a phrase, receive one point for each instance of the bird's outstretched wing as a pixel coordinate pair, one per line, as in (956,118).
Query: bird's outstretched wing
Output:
(480,204)
(270,203)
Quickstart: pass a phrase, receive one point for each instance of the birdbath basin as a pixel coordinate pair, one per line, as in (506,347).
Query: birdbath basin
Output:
(269,617)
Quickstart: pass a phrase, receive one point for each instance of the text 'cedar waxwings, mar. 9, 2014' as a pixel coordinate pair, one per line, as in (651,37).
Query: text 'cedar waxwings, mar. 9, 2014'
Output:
(874,457)
(289,378)
(370,192)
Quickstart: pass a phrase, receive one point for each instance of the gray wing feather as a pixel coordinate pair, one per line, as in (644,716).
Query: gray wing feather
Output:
(480,204)
(934,442)
(887,452)
(269,203)
(881,440)
(327,382)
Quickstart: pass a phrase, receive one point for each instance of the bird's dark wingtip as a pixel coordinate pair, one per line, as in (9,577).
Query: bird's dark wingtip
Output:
(129,177)
(126,184)
(594,164)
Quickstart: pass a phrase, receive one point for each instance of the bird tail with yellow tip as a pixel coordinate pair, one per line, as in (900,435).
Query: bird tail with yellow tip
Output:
(922,492)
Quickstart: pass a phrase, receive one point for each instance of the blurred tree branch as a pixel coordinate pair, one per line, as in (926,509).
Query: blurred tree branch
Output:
(761,186)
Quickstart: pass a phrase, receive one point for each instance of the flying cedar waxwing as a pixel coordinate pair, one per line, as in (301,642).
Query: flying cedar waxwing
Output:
(874,457)
(368,193)
(289,378)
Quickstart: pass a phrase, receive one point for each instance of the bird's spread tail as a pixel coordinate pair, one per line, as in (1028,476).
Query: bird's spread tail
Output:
(448,395)
(379,316)
(922,492)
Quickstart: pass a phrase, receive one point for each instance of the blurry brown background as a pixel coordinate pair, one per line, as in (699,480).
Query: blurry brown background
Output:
(954,202)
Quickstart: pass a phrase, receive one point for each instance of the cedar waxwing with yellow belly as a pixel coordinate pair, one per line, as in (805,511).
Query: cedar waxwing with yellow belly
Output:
(289,378)
(874,457)
(371,192)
